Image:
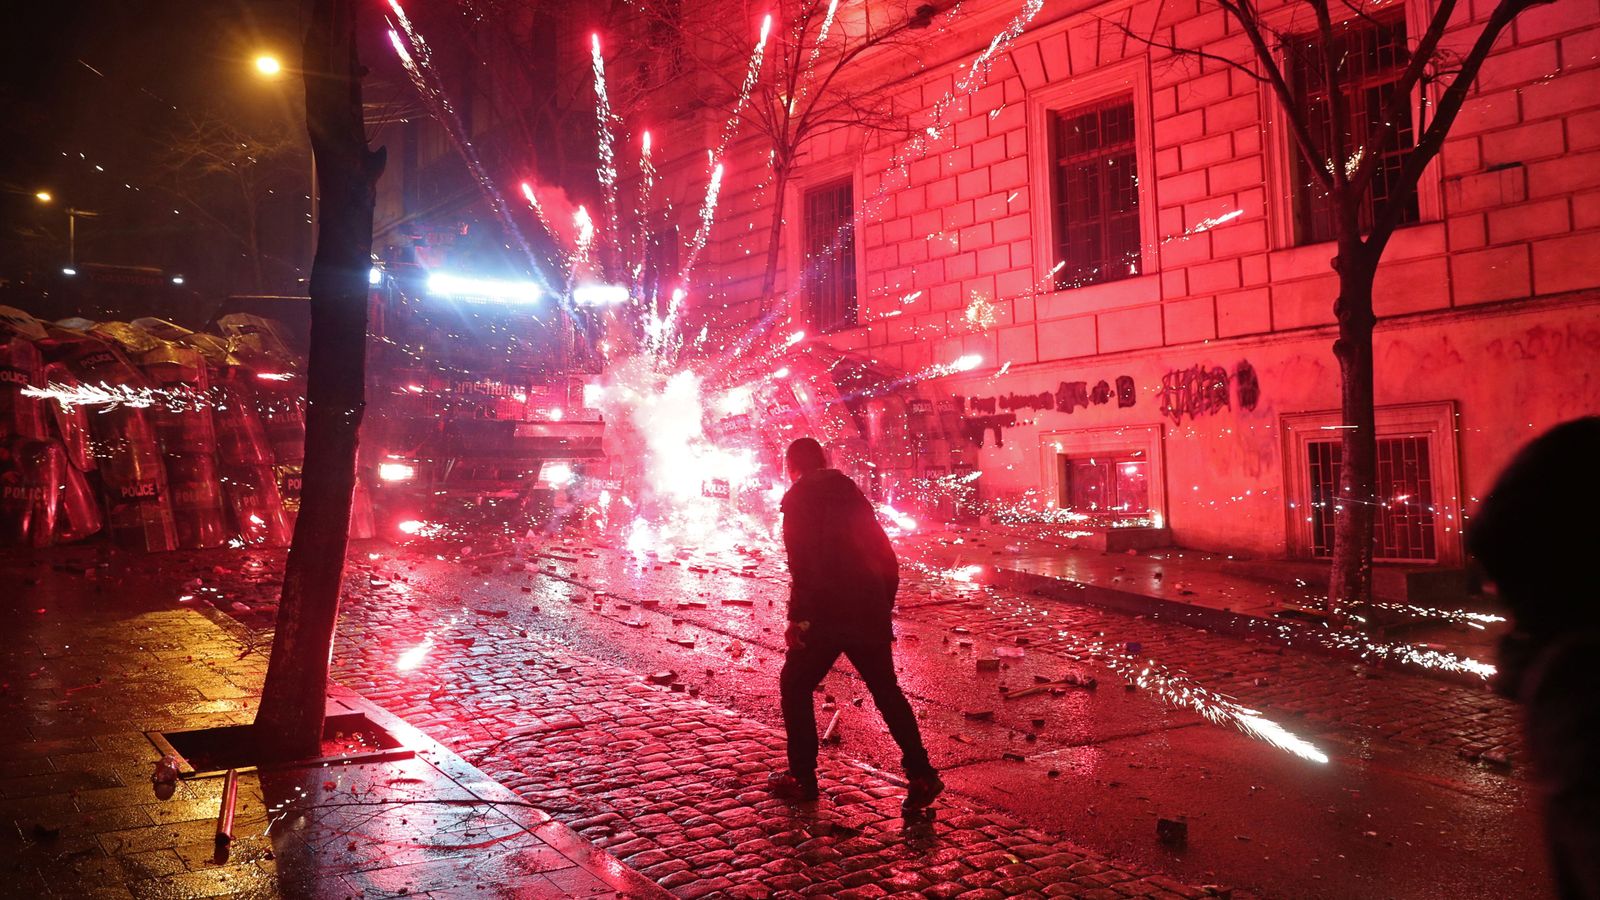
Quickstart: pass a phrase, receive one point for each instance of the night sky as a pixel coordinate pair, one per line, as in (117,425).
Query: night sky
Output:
(112,81)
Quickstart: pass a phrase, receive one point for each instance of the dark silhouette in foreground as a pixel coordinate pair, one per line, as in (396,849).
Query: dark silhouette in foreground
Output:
(1536,536)
(845,576)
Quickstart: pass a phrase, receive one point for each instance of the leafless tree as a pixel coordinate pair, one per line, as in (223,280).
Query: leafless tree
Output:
(290,719)
(223,173)
(1310,77)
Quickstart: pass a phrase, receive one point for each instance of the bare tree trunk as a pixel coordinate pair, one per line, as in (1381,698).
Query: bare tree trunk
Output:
(289,722)
(1350,584)
(780,187)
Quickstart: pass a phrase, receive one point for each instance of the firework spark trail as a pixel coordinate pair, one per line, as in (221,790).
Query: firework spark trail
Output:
(816,53)
(751,73)
(714,185)
(1420,656)
(975,77)
(1174,687)
(708,214)
(729,129)
(113,396)
(916,147)
(1454,616)
(605,150)
(935,370)
(770,355)
(647,184)
(538,208)
(416,57)
(662,330)
(583,243)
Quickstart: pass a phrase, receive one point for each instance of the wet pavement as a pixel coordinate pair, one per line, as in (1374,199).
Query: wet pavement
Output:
(1210,590)
(536,666)
(96,657)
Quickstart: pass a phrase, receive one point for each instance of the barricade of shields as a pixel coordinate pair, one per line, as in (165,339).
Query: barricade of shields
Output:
(149,435)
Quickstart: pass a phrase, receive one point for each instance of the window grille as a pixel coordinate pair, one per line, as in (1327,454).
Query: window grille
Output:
(1406,528)
(1096,193)
(1372,54)
(830,264)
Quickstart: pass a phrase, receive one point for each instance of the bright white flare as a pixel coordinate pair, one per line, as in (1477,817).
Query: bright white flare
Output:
(557,475)
(599,294)
(412,658)
(396,471)
(444,284)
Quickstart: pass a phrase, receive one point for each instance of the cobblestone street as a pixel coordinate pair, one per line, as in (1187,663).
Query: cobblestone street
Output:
(637,704)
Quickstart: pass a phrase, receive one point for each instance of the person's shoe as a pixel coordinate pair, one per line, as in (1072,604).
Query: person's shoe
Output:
(921,791)
(791,787)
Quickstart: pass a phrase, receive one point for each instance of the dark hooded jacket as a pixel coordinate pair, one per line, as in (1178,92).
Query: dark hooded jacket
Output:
(844,570)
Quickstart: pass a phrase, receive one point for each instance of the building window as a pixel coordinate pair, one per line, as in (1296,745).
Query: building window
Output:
(1406,523)
(1106,487)
(1418,478)
(1096,193)
(830,263)
(1372,55)
(1114,476)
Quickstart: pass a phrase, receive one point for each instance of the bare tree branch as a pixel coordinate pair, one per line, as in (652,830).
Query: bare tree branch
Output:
(1389,119)
(1150,41)
(1338,148)
(1449,105)
(1288,107)
(223,172)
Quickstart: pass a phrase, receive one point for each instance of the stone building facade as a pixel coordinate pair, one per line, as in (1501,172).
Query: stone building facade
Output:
(1124,237)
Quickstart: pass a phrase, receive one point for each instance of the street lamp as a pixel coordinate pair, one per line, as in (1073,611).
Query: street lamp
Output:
(270,67)
(73,215)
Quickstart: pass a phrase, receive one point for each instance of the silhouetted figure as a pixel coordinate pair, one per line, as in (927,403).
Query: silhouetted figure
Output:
(845,576)
(1537,538)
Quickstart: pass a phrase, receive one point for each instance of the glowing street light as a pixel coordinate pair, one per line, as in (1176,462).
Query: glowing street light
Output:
(269,67)
(73,214)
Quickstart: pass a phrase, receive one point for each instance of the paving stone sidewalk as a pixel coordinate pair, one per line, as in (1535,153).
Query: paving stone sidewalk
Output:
(673,785)
(676,786)
(1407,707)
(95,657)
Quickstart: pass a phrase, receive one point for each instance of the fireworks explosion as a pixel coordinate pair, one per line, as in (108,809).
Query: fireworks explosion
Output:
(694,425)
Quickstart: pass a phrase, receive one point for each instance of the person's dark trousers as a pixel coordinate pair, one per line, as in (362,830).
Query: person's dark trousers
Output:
(805,667)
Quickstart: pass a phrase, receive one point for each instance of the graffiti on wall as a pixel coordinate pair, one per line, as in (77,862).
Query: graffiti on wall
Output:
(978,426)
(1193,392)
(1207,390)
(999,412)
(1068,397)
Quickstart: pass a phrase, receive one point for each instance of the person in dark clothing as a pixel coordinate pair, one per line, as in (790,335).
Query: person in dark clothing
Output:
(1536,536)
(845,576)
